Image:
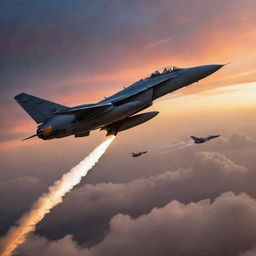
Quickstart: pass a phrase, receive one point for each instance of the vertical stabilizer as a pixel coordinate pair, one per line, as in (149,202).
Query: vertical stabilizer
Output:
(195,138)
(39,109)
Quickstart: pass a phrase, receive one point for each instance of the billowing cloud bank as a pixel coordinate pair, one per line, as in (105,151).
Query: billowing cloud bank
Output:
(186,212)
(93,206)
(227,226)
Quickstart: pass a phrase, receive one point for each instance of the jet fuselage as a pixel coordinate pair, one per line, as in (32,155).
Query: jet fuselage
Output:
(203,140)
(139,153)
(116,112)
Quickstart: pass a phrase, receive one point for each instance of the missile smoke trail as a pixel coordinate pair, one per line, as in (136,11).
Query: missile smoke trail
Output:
(176,145)
(17,235)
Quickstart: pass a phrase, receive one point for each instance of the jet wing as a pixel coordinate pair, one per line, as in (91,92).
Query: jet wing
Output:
(85,110)
(138,87)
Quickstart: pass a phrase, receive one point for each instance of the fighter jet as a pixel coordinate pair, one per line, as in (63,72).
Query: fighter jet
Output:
(203,140)
(139,153)
(114,114)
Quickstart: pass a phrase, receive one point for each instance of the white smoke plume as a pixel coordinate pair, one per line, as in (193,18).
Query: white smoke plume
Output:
(17,234)
(176,145)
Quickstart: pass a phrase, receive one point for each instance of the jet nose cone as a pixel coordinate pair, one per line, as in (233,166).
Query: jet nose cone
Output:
(200,72)
(214,68)
(209,69)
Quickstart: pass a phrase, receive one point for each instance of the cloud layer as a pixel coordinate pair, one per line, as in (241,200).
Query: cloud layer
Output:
(225,227)
(103,216)
(210,175)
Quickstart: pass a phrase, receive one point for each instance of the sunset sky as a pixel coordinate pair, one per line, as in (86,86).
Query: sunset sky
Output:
(77,52)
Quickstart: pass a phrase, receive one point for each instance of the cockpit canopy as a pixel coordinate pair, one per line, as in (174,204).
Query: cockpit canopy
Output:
(163,71)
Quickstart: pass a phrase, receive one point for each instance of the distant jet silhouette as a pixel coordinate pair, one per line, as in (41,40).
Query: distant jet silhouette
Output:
(203,140)
(139,153)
